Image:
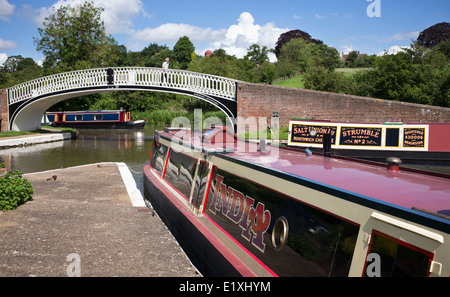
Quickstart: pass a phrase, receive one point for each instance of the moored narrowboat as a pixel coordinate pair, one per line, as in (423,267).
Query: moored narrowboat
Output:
(94,119)
(238,209)
(414,143)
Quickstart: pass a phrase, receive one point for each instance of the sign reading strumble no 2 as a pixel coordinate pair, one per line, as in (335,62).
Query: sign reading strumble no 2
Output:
(360,136)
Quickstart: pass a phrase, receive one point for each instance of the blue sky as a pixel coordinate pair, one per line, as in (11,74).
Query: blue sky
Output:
(235,25)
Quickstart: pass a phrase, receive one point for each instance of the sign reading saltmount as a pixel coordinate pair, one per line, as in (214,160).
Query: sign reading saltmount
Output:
(392,136)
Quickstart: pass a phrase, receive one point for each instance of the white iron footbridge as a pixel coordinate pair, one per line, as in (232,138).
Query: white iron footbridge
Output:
(29,100)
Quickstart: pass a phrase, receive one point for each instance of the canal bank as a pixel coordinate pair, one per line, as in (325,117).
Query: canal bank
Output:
(26,140)
(90,221)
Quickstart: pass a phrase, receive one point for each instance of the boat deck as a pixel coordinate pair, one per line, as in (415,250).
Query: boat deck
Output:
(404,187)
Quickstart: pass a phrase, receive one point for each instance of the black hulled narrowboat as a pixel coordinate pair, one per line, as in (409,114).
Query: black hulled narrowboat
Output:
(238,209)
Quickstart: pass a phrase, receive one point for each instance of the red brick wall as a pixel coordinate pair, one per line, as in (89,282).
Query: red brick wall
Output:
(4,110)
(258,100)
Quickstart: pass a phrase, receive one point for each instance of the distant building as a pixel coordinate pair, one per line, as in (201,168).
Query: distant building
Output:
(208,53)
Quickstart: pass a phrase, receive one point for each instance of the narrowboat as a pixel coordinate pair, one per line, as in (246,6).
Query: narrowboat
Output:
(241,209)
(94,119)
(414,143)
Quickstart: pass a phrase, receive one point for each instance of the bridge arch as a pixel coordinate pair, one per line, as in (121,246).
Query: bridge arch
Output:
(29,100)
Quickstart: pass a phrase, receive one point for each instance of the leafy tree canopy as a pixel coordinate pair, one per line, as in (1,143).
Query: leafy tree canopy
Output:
(257,54)
(434,35)
(183,50)
(74,37)
(286,37)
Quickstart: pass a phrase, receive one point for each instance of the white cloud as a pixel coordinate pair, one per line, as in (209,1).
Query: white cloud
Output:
(240,37)
(393,50)
(118,15)
(6,10)
(3,58)
(319,17)
(235,40)
(405,36)
(171,32)
(7,44)
(346,49)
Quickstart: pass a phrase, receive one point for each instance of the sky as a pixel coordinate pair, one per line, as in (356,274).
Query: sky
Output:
(368,26)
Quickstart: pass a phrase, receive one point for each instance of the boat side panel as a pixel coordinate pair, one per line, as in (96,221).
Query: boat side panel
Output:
(412,227)
(318,243)
(248,215)
(439,137)
(201,249)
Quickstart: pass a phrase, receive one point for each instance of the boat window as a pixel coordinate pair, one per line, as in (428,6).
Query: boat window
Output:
(180,172)
(201,181)
(158,157)
(392,137)
(98,117)
(397,258)
(79,117)
(111,117)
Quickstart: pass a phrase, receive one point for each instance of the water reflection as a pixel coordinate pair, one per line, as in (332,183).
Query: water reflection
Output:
(92,146)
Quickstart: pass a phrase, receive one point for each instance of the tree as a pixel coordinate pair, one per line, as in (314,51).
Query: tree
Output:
(286,37)
(71,35)
(351,58)
(299,54)
(12,63)
(17,70)
(434,35)
(323,79)
(183,50)
(257,54)
(415,75)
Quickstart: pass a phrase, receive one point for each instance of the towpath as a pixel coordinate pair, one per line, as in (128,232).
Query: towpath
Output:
(83,223)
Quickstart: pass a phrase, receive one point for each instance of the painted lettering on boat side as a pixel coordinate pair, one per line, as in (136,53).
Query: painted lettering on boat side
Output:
(240,209)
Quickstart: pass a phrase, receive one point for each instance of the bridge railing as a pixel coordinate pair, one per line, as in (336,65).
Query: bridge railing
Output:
(125,76)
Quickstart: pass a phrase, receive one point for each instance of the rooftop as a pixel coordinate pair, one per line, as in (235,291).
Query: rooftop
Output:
(403,188)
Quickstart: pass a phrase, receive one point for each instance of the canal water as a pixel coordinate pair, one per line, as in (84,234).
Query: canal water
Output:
(131,147)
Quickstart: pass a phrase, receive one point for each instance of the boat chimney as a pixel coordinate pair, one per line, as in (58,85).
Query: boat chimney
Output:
(262,145)
(327,145)
(393,163)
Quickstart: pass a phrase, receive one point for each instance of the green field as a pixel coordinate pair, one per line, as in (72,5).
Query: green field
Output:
(350,71)
(295,82)
(298,81)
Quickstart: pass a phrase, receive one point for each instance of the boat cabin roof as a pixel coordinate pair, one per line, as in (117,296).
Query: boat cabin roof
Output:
(405,188)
